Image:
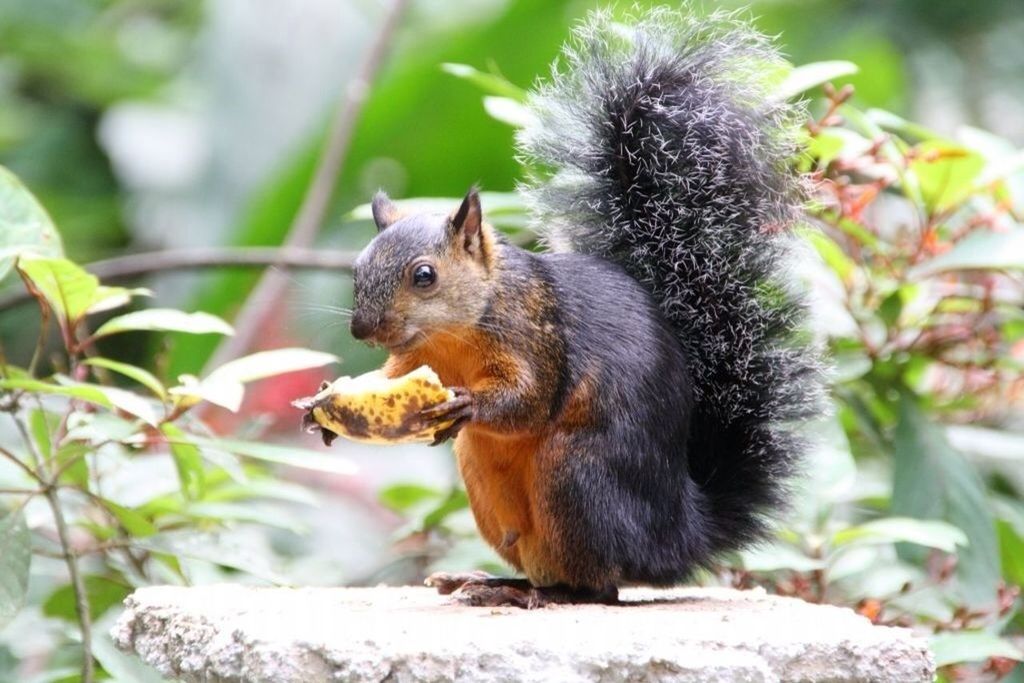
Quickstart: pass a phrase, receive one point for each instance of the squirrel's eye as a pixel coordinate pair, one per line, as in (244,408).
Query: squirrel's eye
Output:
(424,275)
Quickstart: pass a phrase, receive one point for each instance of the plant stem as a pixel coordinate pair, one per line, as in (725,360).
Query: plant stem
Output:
(144,263)
(77,585)
(133,265)
(17,461)
(264,297)
(20,492)
(115,544)
(44,330)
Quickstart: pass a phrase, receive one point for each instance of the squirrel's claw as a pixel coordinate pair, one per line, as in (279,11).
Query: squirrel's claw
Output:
(450,432)
(458,411)
(459,407)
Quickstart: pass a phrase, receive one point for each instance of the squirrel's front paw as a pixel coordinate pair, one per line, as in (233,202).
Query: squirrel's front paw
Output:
(458,411)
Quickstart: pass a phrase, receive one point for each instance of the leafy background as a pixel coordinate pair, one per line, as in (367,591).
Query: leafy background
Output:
(159,126)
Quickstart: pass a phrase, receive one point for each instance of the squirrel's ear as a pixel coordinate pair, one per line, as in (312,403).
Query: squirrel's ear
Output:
(467,225)
(385,211)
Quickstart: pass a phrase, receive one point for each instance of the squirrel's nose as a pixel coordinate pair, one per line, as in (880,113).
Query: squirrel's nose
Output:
(362,326)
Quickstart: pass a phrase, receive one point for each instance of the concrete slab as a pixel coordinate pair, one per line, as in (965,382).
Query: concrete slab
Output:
(233,633)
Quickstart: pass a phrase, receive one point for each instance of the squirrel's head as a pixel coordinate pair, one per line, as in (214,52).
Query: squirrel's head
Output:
(422,274)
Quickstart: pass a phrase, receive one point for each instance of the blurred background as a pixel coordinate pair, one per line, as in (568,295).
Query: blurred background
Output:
(169,125)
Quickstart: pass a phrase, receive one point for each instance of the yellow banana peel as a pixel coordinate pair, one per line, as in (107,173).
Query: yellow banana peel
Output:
(372,408)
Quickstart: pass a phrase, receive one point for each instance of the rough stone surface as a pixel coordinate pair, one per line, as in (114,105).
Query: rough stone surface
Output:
(235,633)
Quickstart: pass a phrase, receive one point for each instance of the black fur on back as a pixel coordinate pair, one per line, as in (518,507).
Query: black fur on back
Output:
(658,146)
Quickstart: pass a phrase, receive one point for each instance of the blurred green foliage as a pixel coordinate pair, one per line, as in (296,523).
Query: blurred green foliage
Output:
(80,433)
(913,512)
(62,64)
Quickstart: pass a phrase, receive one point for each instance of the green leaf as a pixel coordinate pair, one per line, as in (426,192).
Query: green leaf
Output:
(283,455)
(84,392)
(265,488)
(848,366)
(187,460)
(143,377)
(97,428)
(928,533)
(168,504)
(508,111)
(211,547)
(229,463)
(778,556)
(165,320)
(490,83)
(945,173)
(14,372)
(25,227)
(858,232)
(108,397)
(995,444)
(824,147)
(108,298)
(888,121)
(892,149)
(456,500)
(931,480)
(269,363)
(890,308)
(830,471)
(15,559)
(402,497)
(224,387)
(971,646)
(225,393)
(832,143)
(1011,548)
(40,425)
(134,522)
(77,472)
(981,250)
(264,515)
(831,253)
(68,290)
(133,404)
(803,78)
(101,592)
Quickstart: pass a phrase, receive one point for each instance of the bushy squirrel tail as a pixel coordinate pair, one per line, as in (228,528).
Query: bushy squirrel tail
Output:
(658,145)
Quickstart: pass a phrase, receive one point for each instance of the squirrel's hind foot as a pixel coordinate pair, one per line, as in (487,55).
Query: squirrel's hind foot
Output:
(447,583)
(479,589)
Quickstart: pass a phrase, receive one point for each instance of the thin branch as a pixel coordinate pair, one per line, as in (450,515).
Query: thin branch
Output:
(44,332)
(77,583)
(249,323)
(135,265)
(103,547)
(20,492)
(17,461)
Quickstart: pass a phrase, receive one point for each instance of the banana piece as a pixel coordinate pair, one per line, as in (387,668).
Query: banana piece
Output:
(372,408)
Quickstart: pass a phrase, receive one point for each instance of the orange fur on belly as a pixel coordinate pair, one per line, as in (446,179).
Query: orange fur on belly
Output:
(499,470)
(500,475)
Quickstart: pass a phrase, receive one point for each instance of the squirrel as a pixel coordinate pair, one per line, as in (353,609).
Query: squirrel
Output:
(624,404)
